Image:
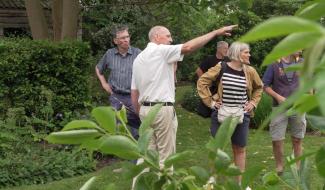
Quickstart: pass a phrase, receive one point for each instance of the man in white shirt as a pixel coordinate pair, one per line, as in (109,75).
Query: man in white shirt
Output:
(153,82)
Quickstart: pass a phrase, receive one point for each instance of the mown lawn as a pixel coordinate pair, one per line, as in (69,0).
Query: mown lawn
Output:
(193,133)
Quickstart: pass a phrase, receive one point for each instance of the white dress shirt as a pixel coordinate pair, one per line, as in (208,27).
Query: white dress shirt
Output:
(153,72)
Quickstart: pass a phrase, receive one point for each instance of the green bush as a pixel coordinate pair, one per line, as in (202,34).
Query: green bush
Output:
(262,111)
(42,74)
(190,100)
(40,166)
(24,161)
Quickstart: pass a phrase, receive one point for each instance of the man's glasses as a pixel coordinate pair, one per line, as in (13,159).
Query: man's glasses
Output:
(123,37)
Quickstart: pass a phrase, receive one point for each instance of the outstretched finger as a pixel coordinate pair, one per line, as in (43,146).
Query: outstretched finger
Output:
(233,26)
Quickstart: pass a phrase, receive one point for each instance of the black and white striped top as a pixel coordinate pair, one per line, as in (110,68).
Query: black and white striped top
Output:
(234,92)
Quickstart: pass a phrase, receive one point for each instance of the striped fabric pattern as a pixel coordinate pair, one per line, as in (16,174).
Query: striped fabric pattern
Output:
(234,90)
(120,67)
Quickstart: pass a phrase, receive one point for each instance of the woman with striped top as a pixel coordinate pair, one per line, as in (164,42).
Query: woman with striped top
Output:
(239,86)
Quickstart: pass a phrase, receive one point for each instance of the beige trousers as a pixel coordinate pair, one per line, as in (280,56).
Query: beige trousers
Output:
(163,139)
(164,126)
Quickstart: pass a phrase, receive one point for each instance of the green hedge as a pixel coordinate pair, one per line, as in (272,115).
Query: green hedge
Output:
(38,74)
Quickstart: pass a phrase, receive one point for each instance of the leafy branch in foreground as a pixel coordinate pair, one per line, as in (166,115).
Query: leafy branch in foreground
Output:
(302,32)
(111,137)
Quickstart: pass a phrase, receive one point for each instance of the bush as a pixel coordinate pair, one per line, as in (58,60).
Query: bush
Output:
(262,111)
(191,100)
(40,75)
(23,161)
(40,166)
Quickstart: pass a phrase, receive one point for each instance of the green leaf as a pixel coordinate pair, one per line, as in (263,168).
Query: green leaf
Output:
(313,11)
(177,157)
(158,185)
(291,44)
(250,174)
(302,157)
(200,173)
(141,183)
(320,83)
(92,144)
(305,103)
(147,121)
(133,170)
(78,124)
(317,122)
(232,185)
(153,156)
(171,186)
(120,146)
(304,6)
(270,178)
(232,170)
(223,135)
(320,161)
(188,178)
(188,184)
(111,186)
(88,184)
(280,26)
(304,170)
(121,115)
(293,67)
(106,118)
(222,161)
(144,139)
(146,181)
(72,137)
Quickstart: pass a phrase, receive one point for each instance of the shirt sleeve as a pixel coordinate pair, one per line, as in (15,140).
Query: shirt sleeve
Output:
(133,80)
(268,76)
(172,52)
(103,63)
(133,84)
(138,51)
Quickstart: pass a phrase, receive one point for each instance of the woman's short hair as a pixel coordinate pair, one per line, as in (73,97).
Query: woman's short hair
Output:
(235,49)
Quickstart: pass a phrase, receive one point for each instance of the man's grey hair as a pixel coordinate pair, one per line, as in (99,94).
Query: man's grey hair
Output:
(154,31)
(221,44)
(118,28)
(235,49)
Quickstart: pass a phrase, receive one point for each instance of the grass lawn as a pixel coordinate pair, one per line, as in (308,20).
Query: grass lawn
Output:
(193,133)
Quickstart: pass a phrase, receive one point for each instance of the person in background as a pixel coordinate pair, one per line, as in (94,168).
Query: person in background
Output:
(240,86)
(207,63)
(280,85)
(119,60)
(212,60)
(153,82)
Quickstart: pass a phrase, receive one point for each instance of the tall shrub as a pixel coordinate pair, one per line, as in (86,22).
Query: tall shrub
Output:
(36,74)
